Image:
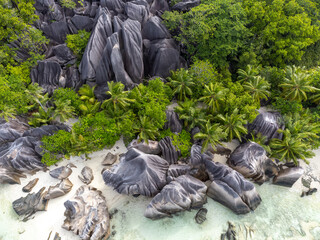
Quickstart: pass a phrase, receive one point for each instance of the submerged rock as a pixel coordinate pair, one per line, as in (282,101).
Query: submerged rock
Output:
(250,159)
(86,175)
(30,185)
(230,234)
(184,193)
(137,173)
(201,215)
(59,190)
(87,214)
(231,189)
(62,172)
(267,124)
(152,147)
(30,204)
(288,176)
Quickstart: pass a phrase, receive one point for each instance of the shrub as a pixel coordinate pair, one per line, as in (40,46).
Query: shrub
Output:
(78,42)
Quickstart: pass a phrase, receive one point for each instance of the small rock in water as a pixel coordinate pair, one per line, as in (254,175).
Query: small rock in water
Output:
(57,237)
(62,172)
(86,175)
(201,215)
(30,185)
(30,204)
(230,233)
(109,159)
(309,192)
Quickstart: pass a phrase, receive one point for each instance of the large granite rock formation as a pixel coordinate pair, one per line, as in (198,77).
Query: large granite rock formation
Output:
(267,124)
(138,173)
(87,214)
(153,29)
(183,193)
(231,189)
(168,151)
(173,122)
(152,147)
(250,159)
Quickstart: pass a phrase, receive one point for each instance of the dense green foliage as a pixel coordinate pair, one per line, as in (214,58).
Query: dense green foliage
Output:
(181,141)
(78,42)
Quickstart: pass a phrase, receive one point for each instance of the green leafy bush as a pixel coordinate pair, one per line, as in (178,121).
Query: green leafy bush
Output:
(78,42)
(67,94)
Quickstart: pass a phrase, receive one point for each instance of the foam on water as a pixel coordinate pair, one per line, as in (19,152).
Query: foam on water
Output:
(283,214)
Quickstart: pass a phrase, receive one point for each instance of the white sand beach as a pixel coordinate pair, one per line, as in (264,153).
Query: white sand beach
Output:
(283,214)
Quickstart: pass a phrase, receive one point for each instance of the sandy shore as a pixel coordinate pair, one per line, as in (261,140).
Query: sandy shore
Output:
(286,214)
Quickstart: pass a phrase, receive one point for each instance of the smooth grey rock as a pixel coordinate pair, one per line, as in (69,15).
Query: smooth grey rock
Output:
(267,124)
(46,130)
(62,54)
(10,131)
(57,31)
(137,174)
(59,190)
(73,78)
(30,204)
(250,159)
(185,5)
(117,24)
(159,6)
(201,215)
(62,172)
(168,151)
(43,5)
(198,169)
(287,177)
(86,175)
(92,56)
(132,46)
(136,12)
(87,214)
(30,185)
(11,176)
(184,193)
(231,189)
(46,74)
(176,170)
(173,122)
(153,29)
(110,159)
(219,149)
(152,147)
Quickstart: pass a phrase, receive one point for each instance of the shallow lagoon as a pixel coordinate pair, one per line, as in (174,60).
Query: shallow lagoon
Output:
(283,214)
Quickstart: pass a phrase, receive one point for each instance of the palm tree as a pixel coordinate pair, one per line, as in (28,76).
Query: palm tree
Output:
(258,88)
(146,130)
(90,105)
(118,97)
(297,84)
(213,96)
(36,97)
(42,117)
(192,115)
(290,148)
(63,110)
(233,124)
(181,82)
(248,74)
(212,134)
(7,112)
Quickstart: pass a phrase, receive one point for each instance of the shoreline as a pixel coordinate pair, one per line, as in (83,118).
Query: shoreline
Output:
(129,222)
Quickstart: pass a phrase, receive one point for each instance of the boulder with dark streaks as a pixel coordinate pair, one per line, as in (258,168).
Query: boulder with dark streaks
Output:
(113,5)
(92,56)
(184,193)
(267,124)
(152,147)
(110,159)
(46,130)
(10,131)
(86,175)
(30,185)
(201,215)
(56,31)
(168,151)
(10,175)
(137,174)
(78,22)
(136,12)
(231,189)
(185,5)
(72,76)
(47,74)
(43,5)
(62,172)
(250,159)
(153,29)
(288,176)
(59,190)
(219,149)
(132,43)
(117,24)
(87,214)
(159,6)
(62,54)
(176,170)
(173,122)
(30,204)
